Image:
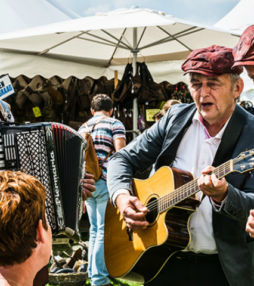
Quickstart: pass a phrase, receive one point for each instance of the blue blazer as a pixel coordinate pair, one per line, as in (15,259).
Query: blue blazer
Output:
(159,144)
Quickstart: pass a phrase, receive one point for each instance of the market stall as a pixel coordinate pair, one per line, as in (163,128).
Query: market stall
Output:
(111,39)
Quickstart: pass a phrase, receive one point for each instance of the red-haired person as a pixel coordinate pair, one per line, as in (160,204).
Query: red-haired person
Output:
(25,235)
(243,54)
(41,278)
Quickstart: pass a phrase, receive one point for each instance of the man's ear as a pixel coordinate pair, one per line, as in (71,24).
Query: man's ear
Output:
(238,88)
(92,111)
(110,111)
(40,232)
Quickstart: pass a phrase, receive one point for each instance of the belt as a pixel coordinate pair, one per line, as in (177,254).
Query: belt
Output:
(197,257)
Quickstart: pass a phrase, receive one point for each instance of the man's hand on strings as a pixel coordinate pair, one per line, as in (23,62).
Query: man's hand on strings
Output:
(211,186)
(132,211)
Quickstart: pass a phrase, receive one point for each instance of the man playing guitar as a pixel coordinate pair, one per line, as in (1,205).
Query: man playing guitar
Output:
(194,138)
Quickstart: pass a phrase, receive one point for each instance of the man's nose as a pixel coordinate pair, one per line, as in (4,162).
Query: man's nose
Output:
(205,90)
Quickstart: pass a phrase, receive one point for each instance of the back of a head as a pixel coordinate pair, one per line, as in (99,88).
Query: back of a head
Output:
(101,102)
(165,108)
(22,205)
(169,103)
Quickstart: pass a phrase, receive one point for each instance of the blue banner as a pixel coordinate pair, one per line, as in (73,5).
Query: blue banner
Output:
(6,88)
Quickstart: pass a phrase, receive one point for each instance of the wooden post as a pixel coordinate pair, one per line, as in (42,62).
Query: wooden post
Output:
(115,78)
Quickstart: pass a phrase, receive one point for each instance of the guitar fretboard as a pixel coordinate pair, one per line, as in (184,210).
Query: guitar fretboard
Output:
(189,189)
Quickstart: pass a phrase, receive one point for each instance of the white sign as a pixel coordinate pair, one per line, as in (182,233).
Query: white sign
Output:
(6,88)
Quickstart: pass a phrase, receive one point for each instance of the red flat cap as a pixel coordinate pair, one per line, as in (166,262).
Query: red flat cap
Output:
(211,61)
(243,52)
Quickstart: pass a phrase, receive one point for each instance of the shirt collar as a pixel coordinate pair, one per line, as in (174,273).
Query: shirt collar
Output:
(198,119)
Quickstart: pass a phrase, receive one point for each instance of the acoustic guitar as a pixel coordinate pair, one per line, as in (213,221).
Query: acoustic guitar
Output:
(139,255)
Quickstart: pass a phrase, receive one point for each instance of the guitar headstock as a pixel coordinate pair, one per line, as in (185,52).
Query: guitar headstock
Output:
(244,162)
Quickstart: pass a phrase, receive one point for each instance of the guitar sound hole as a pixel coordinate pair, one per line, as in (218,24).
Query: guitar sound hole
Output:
(152,210)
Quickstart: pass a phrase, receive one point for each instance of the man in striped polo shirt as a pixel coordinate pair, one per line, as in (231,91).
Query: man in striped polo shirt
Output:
(108,135)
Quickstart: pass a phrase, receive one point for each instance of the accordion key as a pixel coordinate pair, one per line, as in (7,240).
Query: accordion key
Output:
(54,154)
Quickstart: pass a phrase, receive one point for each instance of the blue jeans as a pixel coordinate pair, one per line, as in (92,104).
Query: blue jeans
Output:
(96,209)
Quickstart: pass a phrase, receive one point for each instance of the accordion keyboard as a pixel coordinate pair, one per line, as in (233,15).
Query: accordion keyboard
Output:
(54,154)
(33,161)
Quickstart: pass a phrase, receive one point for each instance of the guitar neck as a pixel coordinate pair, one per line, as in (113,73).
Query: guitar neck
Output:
(189,189)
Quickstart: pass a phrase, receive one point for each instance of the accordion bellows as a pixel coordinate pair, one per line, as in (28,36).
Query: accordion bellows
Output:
(54,154)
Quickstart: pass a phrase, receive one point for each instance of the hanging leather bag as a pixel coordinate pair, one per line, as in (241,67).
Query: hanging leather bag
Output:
(19,85)
(136,81)
(151,91)
(92,164)
(123,89)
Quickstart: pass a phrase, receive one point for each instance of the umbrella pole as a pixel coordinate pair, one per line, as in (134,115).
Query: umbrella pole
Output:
(135,101)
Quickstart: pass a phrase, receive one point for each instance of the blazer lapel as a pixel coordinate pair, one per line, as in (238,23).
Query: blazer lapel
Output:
(226,148)
(230,137)
(174,138)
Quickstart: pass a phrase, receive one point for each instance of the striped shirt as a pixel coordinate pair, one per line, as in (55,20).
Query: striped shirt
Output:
(103,135)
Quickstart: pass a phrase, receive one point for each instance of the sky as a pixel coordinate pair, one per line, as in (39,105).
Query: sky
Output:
(201,11)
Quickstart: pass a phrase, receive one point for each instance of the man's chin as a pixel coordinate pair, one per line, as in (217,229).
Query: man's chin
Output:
(207,116)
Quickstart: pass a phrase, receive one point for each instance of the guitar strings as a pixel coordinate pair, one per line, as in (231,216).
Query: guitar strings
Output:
(177,194)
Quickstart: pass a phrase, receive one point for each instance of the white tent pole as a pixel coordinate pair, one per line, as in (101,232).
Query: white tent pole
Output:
(135,101)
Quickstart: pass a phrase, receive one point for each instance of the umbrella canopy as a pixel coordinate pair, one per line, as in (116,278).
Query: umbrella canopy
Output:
(111,38)
(239,18)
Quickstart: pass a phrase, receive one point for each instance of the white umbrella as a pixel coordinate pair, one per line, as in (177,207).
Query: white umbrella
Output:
(111,38)
(239,18)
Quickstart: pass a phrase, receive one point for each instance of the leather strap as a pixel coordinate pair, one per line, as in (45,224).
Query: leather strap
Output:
(85,124)
(106,158)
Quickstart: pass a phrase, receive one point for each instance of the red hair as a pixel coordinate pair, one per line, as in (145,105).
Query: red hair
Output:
(22,205)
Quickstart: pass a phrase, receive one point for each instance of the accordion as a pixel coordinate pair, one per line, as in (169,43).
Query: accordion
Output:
(54,154)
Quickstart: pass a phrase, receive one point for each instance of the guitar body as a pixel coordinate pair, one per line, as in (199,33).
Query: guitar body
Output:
(140,254)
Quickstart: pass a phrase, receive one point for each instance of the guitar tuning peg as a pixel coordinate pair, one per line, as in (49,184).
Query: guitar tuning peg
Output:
(249,174)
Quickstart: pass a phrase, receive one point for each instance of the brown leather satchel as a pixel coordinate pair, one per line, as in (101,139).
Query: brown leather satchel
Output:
(52,86)
(19,85)
(122,93)
(151,91)
(31,91)
(92,164)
